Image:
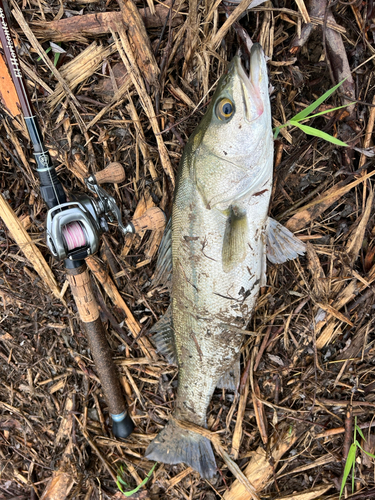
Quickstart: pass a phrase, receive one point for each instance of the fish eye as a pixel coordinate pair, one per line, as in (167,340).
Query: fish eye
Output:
(224,109)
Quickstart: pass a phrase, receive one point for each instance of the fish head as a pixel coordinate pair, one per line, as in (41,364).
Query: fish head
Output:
(234,144)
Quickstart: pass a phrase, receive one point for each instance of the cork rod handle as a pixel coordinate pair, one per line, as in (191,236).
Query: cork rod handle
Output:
(80,283)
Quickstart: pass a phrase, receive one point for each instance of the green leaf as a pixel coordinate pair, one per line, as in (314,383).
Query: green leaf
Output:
(318,133)
(353,476)
(130,493)
(56,59)
(305,112)
(325,112)
(276,132)
(350,462)
(46,51)
(364,451)
(360,432)
(121,481)
(368,454)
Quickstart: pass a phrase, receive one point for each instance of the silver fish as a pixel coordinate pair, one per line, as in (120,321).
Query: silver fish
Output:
(220,231)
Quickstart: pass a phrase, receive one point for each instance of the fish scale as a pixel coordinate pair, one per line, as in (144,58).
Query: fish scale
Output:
(218,240)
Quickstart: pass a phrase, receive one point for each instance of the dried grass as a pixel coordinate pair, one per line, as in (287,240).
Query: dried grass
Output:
(309,348)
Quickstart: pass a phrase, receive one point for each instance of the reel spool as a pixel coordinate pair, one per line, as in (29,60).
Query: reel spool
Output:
(73,231)
(74,236)
(74,228)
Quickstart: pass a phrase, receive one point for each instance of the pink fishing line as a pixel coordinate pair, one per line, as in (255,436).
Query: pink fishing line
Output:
(74,235)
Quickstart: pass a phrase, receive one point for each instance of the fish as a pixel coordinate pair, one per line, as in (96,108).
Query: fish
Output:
(213,254)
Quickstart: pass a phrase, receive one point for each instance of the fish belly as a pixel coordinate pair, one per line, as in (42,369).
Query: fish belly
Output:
(210,306)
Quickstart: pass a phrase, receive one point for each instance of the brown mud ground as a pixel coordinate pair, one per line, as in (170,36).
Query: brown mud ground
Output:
(310,347)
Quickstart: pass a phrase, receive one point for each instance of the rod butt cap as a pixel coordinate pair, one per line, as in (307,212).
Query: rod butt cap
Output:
(122,425)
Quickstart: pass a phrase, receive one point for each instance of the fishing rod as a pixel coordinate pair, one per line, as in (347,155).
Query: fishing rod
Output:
(73,231)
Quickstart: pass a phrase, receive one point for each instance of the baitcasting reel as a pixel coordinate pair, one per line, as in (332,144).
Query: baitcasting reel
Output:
(74,228)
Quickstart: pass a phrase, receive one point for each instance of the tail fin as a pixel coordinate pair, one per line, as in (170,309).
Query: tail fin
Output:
(174,445)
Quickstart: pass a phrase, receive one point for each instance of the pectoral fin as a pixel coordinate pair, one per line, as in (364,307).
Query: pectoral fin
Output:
(282,245)
(235,240)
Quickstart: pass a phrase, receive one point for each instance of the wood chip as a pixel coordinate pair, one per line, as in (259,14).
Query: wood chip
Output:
(308,494)
(261,468)
(79,28)
(140,45)
(311,211)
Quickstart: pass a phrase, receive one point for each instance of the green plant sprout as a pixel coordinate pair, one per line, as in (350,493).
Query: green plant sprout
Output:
(57,50)
(120,482)
(351,458)
(305,115)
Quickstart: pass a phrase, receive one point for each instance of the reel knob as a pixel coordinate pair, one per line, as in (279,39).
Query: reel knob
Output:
(114,173)
(153,219)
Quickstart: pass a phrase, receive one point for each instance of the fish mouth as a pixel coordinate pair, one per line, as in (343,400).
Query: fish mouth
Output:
(251,84)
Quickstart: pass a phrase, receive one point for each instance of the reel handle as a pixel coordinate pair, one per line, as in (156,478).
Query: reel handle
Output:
(114,173)
(153,219)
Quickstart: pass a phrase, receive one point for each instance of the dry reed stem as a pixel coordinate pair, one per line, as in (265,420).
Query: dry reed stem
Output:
(237,434)
(80,69)
(142,143)
(127,57)
(314,20)
(20,151)
(311,494)
(35,78)
(116,101)
(28,247)
(312,210)
(105,280)
(39,49)
(302,8)
(139,42)
(355,242)
(238,11)
(267,32)
(368,134)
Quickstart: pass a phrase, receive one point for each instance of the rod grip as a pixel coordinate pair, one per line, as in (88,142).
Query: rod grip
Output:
(114,173)
(79,280)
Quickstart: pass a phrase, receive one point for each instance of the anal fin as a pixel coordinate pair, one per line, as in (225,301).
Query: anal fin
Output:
(163,270)
(164,337)
(282,245)
(231,379)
